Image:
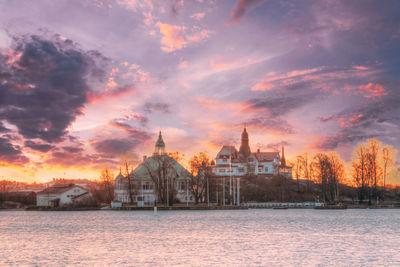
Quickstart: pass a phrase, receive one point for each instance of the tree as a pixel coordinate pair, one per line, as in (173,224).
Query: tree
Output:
(329,170)
(179,157)
(359,163)
(106,178)
(127,171)
(388,159)
(163,174)
(200,174)
(367,170)
(307,168)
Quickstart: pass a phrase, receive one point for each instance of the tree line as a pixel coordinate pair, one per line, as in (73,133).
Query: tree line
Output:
(371,165)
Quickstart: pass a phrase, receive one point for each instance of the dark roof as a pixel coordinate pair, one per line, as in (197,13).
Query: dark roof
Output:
(58,189)
(265,156)
(78,196)
(227,151)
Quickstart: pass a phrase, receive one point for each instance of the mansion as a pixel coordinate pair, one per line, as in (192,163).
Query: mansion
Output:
(159,178)
(230,162)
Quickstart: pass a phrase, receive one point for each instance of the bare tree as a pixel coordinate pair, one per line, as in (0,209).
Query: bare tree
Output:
(128,173)
(106,179)
(163,174)
(359,163)
(388,159)
(199,175)
(329,170)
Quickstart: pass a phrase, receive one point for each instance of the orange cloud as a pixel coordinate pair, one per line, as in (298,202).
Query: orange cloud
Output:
(262,86)
(172,40)
(372,90)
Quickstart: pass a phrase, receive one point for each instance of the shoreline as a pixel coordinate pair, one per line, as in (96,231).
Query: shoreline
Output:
(172,208)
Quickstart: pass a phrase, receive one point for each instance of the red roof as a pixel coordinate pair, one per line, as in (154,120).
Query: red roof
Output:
(265,156)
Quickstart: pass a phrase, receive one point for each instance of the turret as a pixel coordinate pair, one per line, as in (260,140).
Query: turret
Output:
(160,146)
(283,160)
(244,146)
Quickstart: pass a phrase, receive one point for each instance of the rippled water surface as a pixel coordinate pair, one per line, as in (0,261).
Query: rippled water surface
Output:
(206,238)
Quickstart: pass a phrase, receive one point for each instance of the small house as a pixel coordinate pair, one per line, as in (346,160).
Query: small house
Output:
(61,195)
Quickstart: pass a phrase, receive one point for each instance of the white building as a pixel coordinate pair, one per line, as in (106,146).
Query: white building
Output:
(60,195)
(153,180)
(230,162)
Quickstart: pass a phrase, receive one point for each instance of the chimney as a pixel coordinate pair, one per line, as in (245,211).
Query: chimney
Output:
(258,150)
(144,158)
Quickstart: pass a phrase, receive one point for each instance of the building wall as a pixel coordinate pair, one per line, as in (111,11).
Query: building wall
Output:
(44,200)
(145,191)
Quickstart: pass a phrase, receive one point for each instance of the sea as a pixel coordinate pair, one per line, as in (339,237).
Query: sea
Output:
(254,237)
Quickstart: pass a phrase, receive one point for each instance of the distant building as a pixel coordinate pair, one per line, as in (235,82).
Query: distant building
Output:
(230,162)
(153,180)
(23,197)
(61,194)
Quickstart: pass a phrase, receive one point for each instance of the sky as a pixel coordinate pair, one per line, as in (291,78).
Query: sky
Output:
(84,84)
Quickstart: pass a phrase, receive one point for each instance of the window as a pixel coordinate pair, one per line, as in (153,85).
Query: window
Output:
(182,186)
(266,169)
(221,170)
(250,159)
(241,170)
(225,160)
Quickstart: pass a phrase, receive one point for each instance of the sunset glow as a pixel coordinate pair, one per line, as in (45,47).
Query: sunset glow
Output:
(85,83)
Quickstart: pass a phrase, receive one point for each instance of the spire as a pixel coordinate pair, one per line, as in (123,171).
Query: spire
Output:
(160,145)
(283,160)
(244,146)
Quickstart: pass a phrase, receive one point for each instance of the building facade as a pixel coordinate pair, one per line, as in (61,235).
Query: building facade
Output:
(61,195)
(231,162)
(159,178)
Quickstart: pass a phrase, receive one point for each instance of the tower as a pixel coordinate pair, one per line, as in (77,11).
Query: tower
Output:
(160,146)
(283,160)
(244,146)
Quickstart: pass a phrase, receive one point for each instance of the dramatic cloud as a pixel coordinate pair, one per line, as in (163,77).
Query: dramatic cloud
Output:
(3,129)
(37,146)
(10,153)
(314,74)
(115,147)
(45,88)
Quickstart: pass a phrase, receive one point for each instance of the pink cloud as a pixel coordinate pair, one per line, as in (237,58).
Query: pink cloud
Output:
(172,40)
(183,65)
(198,36)
(345,120)
(372,90)
(198,16)
(262,86)
(219,63)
